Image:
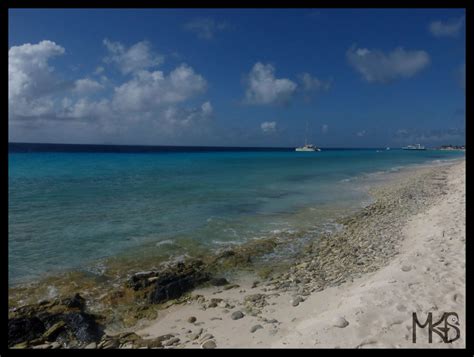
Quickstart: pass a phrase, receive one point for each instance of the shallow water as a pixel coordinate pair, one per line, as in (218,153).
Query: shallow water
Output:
(73,210)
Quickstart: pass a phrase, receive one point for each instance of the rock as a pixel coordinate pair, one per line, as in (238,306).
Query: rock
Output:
(83,326)
(207,336)
(21,345)
(54,331)
(218,281)
(226,254)
(296,301)
(254,297)
(24,329)
(231,286)
(61,320)
(44,346)
(109,344)
(172,341)
(173,283)
(255,328)
(191,319)
(77,301)
(271,321)
(164,337)
(141,280)
(194,336)
(154,343)
(340,322)
(91,346)
(214,302)
(209,344)
(236,315)
(406,268)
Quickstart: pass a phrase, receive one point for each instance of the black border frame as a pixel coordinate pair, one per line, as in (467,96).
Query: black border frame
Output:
(122,4)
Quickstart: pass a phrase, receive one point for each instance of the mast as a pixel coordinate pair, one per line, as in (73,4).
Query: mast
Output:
(306,134)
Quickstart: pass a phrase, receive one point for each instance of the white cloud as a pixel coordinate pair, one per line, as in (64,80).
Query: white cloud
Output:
(205,28)
(376,66)
(264,88)
(177,119)
(85,109)
(361,133)
(450,28)
(310,83)
(268,126)
(151,105)
(132,59)
(324,128)
(87,86)
(148,90)
(31,79)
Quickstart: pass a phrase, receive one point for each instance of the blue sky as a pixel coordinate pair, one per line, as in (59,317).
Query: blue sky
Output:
(357,78)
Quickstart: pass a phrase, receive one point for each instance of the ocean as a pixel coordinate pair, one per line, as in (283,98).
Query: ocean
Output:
(77,206)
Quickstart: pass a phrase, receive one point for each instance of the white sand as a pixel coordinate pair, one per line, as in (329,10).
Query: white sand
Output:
(378,306)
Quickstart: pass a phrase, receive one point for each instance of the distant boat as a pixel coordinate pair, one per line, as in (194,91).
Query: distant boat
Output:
(387,148)
(307,147)
(414,147)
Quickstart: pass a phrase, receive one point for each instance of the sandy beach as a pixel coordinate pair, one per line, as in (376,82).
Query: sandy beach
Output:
(356,287)
(425,272)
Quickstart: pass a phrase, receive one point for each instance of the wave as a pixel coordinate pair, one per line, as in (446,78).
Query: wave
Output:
(164,242)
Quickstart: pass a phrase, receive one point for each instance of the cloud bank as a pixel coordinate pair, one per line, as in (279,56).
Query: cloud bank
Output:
(150,101)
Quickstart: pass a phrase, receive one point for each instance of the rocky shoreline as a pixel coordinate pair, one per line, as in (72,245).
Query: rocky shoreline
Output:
(369,240)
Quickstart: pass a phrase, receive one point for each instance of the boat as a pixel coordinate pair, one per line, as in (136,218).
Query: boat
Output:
(307,147)
(387,148)
(414,147)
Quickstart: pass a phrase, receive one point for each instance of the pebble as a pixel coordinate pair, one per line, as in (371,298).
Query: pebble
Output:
(296,301)
(44,346)
(91,345)
(209,344)
(406,268)
(218,281)
(171,341)
(236,315)
(231,286)
(206,337)
(255,284)
(255,328)
(56,345)
(192,319)
(340,322)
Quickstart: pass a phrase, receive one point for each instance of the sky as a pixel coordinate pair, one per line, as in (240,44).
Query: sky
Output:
(237,77)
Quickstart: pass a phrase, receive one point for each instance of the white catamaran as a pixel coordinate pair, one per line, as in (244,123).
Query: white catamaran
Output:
(307,147)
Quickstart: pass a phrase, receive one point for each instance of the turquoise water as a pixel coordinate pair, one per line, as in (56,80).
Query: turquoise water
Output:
(70,210)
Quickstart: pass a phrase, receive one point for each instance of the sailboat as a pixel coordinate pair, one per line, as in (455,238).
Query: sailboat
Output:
(307,147)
